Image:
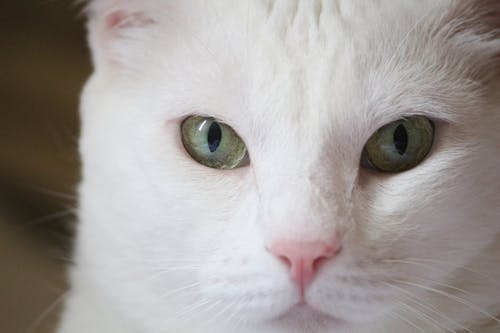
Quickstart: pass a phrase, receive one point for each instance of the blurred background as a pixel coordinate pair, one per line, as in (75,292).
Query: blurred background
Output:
(43,65)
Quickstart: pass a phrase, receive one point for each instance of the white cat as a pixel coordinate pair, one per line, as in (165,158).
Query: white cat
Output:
(307,166)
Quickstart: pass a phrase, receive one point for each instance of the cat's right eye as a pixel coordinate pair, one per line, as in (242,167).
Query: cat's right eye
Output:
(213,143)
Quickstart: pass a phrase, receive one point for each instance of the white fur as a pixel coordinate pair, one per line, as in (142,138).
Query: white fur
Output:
(166,245)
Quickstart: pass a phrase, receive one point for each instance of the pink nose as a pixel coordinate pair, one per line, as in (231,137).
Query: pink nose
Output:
(304,258)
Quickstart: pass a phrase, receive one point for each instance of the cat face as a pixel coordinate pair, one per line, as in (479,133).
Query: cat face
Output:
(302,238)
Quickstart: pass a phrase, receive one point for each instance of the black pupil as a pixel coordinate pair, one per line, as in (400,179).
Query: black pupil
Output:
(400,139)
(214,137)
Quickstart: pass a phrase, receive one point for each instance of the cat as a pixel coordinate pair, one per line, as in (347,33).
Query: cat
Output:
(289,166)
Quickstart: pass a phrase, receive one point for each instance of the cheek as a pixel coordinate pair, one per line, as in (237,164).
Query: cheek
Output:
(194,223)
(239,272)
(438,208)
(431,242)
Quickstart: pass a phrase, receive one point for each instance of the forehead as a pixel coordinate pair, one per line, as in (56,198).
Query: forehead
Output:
(292,46)
(315,68)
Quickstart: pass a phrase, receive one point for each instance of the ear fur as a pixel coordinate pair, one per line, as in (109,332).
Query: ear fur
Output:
(475,24)
(484,13)
(112,24)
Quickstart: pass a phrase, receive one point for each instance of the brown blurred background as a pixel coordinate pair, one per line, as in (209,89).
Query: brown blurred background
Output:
(43,64)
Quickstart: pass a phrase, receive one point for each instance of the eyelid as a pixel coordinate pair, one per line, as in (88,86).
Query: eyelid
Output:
(220,119)
(437,123)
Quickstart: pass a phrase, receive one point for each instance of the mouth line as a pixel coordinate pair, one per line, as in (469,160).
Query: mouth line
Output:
(302,311)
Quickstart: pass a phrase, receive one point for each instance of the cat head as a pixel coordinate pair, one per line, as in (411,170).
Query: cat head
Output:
(302,235)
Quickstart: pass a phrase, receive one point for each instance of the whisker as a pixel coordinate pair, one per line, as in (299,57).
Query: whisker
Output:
(441,284)
(196,306)
(168,262)
(236,310)
(53,193)
(221,312)
(407,321)
(52,306)
(50,217)
(452,297)
(164,271)
(425,262)
(192,307)
(180,289)
(426,317)
(413,298)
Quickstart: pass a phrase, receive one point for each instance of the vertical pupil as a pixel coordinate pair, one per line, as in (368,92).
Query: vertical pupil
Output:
(214,136)
(400,139)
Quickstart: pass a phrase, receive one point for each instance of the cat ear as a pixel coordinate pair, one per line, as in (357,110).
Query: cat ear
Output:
(113,25)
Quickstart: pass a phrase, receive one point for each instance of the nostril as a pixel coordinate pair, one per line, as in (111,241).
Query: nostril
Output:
(328,253)
(286,261)
(318,262)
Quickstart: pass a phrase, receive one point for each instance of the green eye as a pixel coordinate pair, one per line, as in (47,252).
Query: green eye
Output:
(400,145)
(213,144)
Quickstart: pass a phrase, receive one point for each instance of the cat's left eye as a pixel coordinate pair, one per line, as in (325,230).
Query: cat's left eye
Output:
(400,145)
(213,143)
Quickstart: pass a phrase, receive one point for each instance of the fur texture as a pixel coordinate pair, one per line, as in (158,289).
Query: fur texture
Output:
(166,245)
